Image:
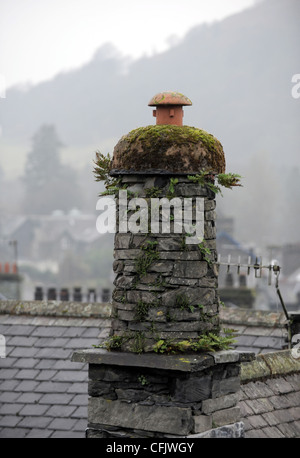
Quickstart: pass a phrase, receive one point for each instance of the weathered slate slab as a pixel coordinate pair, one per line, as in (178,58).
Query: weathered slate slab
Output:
(185,363)
(170,420)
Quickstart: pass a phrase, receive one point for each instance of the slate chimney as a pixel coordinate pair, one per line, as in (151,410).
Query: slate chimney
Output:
(158,375)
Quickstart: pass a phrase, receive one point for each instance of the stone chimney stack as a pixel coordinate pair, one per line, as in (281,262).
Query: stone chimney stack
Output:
(166,280)
(159,375)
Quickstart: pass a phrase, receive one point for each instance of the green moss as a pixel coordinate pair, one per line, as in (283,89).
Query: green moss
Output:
(113,343)
(182,302)
(168,135)
(153,192)
(134,339)
(138,342)
(141,310)
(148,254)
(159,98)
(206,342)
(170,148)
(173,183)
(143,380)
(101,173)
(206,178)
(205,252)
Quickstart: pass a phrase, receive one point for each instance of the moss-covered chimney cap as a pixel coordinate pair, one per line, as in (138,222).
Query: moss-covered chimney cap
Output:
(169,98)
(167,149)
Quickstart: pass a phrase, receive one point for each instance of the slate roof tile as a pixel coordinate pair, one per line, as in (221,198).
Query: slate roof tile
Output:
(63,424)
(33,410)
(49,342)
(69,376)
(260,405)
(24,363)
(47,374)
(57,353)
(10,409)
(44,394)
(9,420)
(245,409)
(294,382)
(279,386)
(48,331)
(267,342)
(27,385)
(39,383)
(22,352)
(256,434)
(67,365)
(7,385)
(27,374)
(36,433)
(56,398)
(8,374)
(19,330)
(257,421)
(80,425)
(81,412)
(81,342)
(80,388)
(52,387)
(278,405)
(273,432)
(45,363)
(91,332)
(29,398)
(9,396)
(64,434)
(17,433)
(289,430)
(34,421)
(22,341)
(60,411)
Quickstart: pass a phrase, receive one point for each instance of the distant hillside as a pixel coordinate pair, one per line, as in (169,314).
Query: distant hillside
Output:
(237,73)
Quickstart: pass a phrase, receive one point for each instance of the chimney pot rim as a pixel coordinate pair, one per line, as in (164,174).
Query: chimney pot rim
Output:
(169,98)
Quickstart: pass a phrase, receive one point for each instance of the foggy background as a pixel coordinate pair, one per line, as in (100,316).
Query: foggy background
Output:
(237,70)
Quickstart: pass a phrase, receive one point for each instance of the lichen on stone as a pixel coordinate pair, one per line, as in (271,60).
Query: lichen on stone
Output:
(177,149)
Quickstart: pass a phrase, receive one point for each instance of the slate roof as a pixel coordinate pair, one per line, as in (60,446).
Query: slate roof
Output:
(44,394)
(257,330)
(270,396)
(272,409)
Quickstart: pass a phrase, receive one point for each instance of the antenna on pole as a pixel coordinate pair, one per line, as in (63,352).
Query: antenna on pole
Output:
(272,268)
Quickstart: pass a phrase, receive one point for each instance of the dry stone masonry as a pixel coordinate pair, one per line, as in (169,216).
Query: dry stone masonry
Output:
(165,287)
(159,377)
(163,395)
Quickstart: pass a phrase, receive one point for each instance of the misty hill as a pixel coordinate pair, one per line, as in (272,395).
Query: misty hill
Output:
(237,73)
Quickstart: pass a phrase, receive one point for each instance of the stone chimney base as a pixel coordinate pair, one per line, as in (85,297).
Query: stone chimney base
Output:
(163,396)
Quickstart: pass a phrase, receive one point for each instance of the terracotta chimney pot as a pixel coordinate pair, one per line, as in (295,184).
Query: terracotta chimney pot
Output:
(169,107)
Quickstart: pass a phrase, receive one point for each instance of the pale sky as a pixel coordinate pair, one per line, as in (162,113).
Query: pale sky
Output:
(40,38)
